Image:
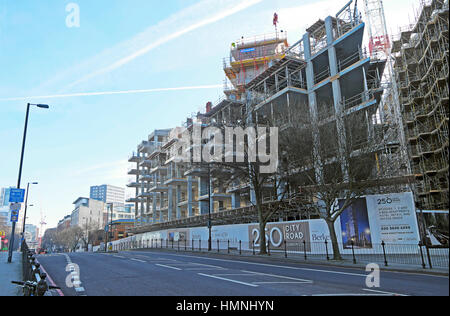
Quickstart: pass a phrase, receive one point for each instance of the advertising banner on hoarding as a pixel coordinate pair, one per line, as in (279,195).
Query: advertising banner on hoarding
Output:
(376,218)
(394,218)
(278,233)
(367,223)
(355,226)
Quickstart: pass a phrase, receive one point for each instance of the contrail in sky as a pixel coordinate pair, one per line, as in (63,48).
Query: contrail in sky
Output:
(222,14)
(89,94)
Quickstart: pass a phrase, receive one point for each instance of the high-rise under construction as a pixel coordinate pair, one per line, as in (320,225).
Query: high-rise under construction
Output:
(421,54)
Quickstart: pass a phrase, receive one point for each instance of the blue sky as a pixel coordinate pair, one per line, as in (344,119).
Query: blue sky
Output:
(119,46)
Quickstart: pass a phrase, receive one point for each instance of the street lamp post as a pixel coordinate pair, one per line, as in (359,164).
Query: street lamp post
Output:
(87,235)
(25,212)
(108,227)
(11,240)
(25,217)
(209,209)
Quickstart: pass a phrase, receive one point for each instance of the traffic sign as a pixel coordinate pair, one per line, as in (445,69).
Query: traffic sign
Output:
(16,195)
(15,206)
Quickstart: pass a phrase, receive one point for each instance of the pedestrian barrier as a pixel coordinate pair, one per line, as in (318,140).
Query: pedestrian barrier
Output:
(34,281)
(386,254)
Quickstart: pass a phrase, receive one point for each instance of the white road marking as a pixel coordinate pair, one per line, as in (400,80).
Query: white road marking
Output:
(229,280)
(207,265)
(205,269)
(304,269)
(138,260)
(279,276)
(282,282)
(383,292)
(232,274)
(164,266)
(346,294)
(272,265)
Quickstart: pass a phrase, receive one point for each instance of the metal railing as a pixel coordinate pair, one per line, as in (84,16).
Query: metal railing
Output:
(386,254)
(35,283)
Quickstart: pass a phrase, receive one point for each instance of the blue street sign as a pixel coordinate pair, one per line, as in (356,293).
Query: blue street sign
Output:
(16,195)
(14,216)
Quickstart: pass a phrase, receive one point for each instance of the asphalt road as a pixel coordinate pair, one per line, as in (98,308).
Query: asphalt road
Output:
(159,273)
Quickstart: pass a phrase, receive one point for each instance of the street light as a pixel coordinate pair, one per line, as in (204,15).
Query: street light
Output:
(87,235)
(209,210)
(25,212)
(109,207)
(42,106)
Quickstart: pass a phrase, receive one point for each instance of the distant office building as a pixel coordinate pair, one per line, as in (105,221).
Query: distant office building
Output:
(126,212)
(4,196)
(4,220)
(31,233)
(64,223)
(108,194)
(88,211)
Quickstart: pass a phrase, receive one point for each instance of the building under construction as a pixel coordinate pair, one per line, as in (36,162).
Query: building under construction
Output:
(421,54)
(328,78)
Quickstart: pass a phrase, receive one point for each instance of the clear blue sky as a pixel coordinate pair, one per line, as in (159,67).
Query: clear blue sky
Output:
(120,45)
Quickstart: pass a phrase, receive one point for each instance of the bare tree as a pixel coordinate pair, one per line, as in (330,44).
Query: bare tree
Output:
(89,230)
(266,186)
(330,174)
(69,238)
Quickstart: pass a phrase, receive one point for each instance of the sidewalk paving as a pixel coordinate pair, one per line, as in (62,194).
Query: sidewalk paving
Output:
(10,272)
(278,258)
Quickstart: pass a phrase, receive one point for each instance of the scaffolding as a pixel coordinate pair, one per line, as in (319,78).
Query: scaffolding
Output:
(421,68)
(249,57)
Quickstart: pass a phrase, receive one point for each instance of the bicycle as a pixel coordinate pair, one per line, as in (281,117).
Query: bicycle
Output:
(33,288)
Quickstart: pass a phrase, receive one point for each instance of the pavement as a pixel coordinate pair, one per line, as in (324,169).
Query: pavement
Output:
(10,272)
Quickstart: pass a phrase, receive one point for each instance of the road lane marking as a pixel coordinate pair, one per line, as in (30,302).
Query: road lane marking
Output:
(138,260)
(282,282)
(232,274)
(306,269)
(279,276)
(207,265)
(348,294)
(229,280)
(272,265)
(383,292)
(164,266)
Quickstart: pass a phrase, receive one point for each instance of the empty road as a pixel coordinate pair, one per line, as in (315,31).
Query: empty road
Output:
(160,273)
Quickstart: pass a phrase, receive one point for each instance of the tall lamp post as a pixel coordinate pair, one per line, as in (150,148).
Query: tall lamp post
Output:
(11,240)
(108,226)
(87,234)
(25,217)
(209,209)
(25,212)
